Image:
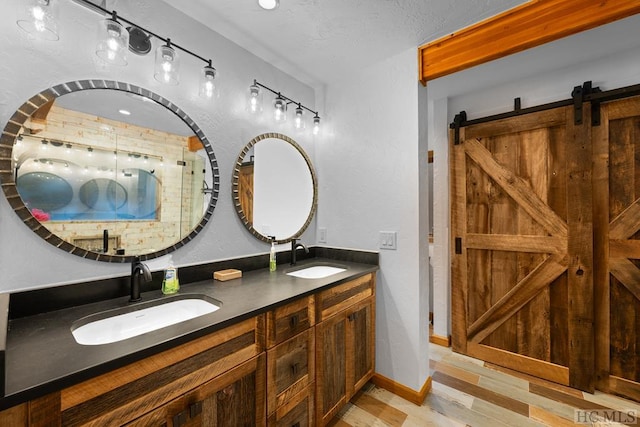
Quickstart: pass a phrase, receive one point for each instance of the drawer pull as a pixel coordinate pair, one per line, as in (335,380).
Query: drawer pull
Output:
(195,409)
(296,424)
(295,368)
(180,419)
(293,321)
(352,317)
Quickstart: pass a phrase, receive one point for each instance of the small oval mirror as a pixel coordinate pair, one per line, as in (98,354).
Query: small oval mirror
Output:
(108,170)
(274,188)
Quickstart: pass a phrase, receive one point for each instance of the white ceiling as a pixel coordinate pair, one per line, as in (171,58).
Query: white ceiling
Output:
(319,41)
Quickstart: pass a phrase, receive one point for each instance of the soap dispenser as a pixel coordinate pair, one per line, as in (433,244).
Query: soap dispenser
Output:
(170,284)
(272,254)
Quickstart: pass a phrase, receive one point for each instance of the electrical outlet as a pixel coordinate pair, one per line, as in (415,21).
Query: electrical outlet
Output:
(322,235)
(389,240)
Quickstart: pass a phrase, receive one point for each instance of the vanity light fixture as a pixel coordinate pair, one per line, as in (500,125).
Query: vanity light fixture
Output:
(269,4)
(166,69)
(39,19)
(113,41)
(207,83)
(298,121)
(280,103)
(254,102)
(167,64)
(279,108)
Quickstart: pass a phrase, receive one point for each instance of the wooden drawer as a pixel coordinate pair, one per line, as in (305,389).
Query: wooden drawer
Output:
(289,320)
(297,412)
(341,297)
(290,369)
(126,393)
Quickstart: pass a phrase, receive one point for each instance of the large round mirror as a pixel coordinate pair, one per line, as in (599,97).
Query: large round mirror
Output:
(274,188)
(108,170)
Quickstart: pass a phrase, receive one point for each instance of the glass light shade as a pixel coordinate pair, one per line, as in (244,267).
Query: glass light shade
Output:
(39,18)
(208,89)
(269,4)
(298,118)
(316,124)
(254,99)
(167,65)
(280,109)
(113,42)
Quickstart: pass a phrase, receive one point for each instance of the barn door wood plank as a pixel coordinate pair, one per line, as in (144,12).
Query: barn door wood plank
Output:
(516,188)
(519,295)
(627,223)
(627,273)
(601,248)
(624,249)
(580,248)
(540,120)
(503,219)
(459,291)
(534,330)
(517,243)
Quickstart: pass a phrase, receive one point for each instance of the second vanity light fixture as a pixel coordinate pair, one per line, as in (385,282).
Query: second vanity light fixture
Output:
(114,40)
(280,106)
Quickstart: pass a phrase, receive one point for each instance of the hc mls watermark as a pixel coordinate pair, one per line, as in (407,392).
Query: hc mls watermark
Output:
(604,416)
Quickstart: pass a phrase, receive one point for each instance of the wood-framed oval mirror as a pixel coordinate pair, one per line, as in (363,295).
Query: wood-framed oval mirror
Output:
(108,170)
(275,190)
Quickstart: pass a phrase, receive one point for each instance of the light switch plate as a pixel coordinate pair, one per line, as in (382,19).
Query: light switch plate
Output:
(322,235)
(389,240)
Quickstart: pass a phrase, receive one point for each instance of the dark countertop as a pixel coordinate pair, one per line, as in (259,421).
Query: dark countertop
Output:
(42,355)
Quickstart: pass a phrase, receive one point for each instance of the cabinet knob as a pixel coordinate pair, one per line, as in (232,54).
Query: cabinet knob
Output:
(180,419)
(195,409)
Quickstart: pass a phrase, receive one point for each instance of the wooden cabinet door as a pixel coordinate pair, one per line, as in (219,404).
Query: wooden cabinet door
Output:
(522,240)
(331,363)
(617,247)
(360,345)
(236,398)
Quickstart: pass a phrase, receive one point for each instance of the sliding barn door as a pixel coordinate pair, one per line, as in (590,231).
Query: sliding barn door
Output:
(522,268)
(617,247)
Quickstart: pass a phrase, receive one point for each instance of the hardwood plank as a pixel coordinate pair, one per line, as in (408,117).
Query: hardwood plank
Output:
(548,418)
(624,249)
(565,398)
(459,412)
(580,248)
(516,243)
(547,119)
(622,109)
(517,297)
(528,25)
(537,380)
(45,411)
(498,412)
(454,371)
(381,410)
(477,391)
(516,188)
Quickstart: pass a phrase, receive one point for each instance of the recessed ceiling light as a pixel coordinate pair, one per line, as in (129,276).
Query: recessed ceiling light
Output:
(269,4)
(124,112)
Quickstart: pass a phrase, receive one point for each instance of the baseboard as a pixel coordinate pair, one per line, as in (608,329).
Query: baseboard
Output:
(415,397)
(440,340)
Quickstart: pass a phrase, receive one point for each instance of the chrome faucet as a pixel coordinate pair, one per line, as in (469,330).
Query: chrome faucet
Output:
(138,269)
(294,247)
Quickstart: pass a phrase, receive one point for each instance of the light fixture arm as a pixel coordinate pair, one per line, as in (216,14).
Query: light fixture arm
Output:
(286,98)
(97,8)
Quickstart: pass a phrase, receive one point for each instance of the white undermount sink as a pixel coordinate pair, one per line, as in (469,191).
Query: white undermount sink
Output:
(120,324)
(316,272)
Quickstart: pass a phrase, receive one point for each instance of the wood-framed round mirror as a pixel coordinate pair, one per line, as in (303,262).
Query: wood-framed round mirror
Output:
(108,170)
(275,190)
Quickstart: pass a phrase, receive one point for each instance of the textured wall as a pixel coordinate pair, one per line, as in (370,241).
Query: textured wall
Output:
(369,168)
(30,66)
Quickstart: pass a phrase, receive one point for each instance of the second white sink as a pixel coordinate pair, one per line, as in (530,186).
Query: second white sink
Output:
(317,272)
(118,327)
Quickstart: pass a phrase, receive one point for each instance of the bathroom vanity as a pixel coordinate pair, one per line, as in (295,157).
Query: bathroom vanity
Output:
(280,350)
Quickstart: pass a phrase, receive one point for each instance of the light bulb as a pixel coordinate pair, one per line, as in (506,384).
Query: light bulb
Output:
(207,82)
(254,99)
(279,109)
(298,122)
(113,41)
(167,64)
(39,18)
(269,4)
(316,124)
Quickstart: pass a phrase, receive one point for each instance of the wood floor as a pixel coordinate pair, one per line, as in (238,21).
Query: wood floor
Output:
(469,392)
